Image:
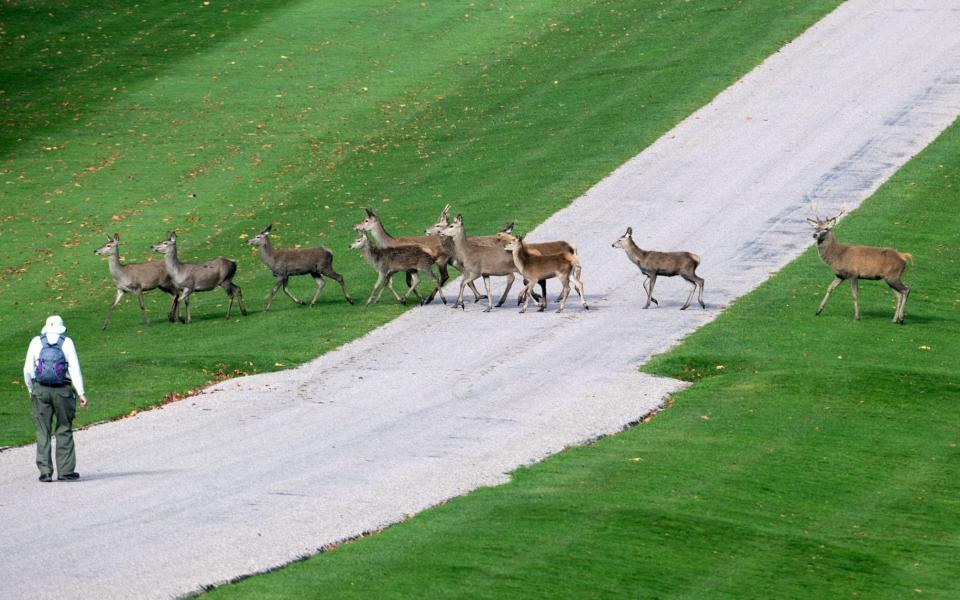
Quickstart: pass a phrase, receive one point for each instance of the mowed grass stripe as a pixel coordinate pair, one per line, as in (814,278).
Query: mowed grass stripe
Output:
(814,457)
(218,119)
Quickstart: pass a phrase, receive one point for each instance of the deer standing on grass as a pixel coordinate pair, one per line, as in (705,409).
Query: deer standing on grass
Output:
(284,264)
(136,278)
(478,260)
(667,264)
(401,259)
(534,268)
(849,261)
(199,277)
(430,244)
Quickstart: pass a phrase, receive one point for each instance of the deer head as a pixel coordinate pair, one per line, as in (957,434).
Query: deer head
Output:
(624,240)
(361,242)
(261,238)
(453,229)
(442,221)
(110,247)
(168,245)
(822,226)
(370,222)
(514,244)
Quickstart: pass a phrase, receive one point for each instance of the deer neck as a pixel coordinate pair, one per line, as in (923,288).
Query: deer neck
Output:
(459,239)
(635,253)
(380,234)
(829,248)
(520,255)
(370,254)
(267,254)
(116,269)
(173,264)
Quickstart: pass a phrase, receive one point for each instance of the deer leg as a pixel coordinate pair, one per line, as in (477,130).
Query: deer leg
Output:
(185,299)
(902,292)
(579,287)
(174,307)
(437,289)
(692,291)
(700,297)
(527,290)
(391,288)
(286,281)
(486,285)
(563,294)
(379,283)
(339,279)
(116,301)
(320,285)
(239,294)
(510,279)
(833,285)
(273,292)
(143,309)
(648,285)
(465,280)
(855,291)
(414,282)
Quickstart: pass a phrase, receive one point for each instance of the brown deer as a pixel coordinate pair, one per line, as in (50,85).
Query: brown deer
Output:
(478,260)
(849,261)
(401,259)
(284,264)
(199,277)
(504,237)
(535,268)
(136,278)
(667,264)
(430,244)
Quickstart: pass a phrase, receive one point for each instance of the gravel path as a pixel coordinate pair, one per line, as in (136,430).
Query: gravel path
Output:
(261,470)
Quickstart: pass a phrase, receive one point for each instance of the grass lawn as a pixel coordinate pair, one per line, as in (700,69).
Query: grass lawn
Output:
(217,118)
(815,457)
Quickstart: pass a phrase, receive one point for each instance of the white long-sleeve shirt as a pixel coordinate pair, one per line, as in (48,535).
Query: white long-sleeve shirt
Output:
(69,352)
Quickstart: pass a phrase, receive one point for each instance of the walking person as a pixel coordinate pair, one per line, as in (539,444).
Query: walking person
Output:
(52,374)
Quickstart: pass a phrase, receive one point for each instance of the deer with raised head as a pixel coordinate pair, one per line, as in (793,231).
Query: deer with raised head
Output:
(535,268)
(284,264)
(853,262)
(655,264)
(478,260)
(542,249)
(199,277)
(400,259)
(431,244)
(136,278)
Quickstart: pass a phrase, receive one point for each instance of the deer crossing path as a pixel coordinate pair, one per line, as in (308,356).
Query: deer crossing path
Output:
(261,470)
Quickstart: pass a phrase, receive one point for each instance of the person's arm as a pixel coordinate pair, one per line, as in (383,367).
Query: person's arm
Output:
(73,367)
(30,363)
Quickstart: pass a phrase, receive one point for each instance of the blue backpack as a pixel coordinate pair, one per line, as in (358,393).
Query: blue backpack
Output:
(52,365)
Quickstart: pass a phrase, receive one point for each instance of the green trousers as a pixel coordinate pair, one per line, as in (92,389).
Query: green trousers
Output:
(47,403)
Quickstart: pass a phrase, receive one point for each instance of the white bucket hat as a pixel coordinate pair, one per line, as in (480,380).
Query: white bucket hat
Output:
(54,324)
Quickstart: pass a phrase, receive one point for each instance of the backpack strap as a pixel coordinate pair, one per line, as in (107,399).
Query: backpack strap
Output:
(46,344)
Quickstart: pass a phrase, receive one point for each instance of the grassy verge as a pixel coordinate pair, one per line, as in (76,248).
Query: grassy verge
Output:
(218,118)
(815,457)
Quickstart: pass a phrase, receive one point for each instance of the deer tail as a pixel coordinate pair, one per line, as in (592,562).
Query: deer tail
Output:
(906,256)
(695,257)
(574,246)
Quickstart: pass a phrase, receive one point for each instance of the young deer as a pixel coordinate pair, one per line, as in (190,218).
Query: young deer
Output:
(199,277)
(136,278)
(430,244)
(504,237)
(668,264)
(478,260)
(401,259)
(284,264)
(535,268)
(848,261)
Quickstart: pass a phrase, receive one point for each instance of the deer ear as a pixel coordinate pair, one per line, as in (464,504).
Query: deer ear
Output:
(812,222)
(459,219)
(508,228)
(369,212)
(116,237)
(629,230)
(267,228)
